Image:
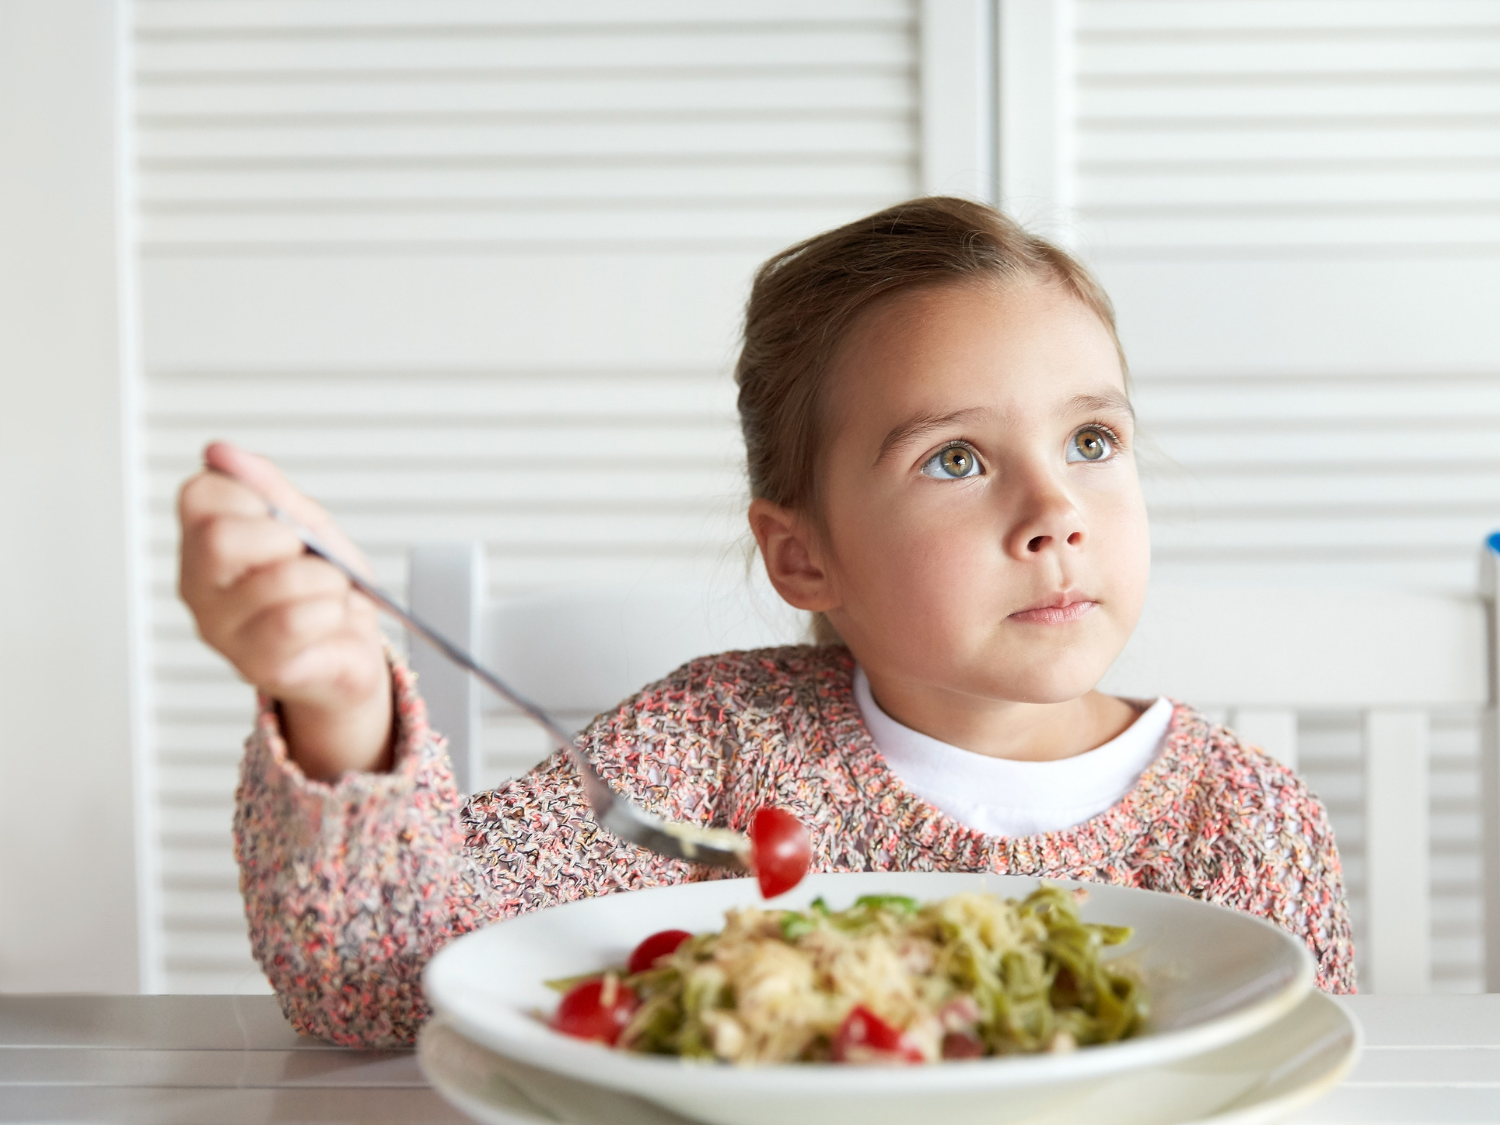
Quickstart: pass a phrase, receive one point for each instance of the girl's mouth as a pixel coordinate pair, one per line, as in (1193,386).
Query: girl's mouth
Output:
(1059,610)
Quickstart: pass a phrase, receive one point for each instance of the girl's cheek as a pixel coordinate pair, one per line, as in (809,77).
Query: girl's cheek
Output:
(1115,512)
(1116,495)
(1122,544)
(1125,528)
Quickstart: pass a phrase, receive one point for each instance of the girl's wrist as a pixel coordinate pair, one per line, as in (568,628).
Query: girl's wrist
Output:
(327,741)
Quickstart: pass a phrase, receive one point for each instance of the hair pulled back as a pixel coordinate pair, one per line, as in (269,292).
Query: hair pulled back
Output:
(805,298)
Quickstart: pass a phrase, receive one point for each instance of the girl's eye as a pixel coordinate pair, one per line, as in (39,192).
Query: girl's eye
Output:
(953,463)
(1089,444)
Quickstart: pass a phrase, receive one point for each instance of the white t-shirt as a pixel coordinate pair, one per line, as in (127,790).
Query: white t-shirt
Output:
(1007,798)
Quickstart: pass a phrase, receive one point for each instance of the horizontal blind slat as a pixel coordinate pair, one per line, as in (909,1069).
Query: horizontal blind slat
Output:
(399,17)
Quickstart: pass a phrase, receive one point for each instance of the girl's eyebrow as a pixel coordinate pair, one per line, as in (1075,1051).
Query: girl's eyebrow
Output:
(909,431)
(1108,400)
(913,428)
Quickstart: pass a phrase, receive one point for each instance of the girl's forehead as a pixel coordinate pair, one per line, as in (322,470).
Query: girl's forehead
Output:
(975,346)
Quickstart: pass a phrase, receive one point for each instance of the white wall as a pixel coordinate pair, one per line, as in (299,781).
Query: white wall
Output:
(68,800)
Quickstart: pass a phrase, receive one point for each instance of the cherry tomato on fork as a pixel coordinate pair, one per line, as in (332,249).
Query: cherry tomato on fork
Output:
(780,850)
(596,1009)
(655,947)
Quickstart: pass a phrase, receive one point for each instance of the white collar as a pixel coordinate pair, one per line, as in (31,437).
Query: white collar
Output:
(1001,797)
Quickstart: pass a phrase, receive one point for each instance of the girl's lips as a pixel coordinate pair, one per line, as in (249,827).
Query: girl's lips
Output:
(1055,614)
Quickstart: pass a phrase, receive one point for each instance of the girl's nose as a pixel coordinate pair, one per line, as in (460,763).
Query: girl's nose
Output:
(1051,521)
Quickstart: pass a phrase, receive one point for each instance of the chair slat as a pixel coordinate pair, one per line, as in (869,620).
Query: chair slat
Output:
(1396,851)
(1489,775)
(1489,591)
(446,588)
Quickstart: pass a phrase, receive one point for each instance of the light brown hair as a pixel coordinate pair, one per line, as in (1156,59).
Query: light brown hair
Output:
(805,298)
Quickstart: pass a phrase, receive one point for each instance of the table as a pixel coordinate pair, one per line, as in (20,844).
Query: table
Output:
(233,1060)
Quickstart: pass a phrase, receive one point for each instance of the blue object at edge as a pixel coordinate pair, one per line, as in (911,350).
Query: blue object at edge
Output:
(1493,542)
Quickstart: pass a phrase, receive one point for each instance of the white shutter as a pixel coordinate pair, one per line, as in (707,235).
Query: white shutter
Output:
(1295,205)
(471,270)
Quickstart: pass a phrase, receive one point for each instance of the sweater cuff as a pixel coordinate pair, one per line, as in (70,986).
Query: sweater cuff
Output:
(417,752)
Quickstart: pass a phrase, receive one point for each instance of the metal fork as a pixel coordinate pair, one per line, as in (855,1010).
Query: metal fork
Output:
(715,847)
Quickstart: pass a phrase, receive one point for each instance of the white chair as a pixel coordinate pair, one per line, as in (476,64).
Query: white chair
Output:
(576,652)
(1258,656)
(1254,656)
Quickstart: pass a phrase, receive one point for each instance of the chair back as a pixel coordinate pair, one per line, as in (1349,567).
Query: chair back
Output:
(1254,657)
(580,652)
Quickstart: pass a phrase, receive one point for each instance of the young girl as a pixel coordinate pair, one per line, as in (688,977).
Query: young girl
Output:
(940,440)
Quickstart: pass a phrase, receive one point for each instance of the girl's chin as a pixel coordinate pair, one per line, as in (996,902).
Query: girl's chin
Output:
(1041,676)
(1036,686)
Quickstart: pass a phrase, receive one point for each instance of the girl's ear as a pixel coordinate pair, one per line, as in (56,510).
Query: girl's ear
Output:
(792,556)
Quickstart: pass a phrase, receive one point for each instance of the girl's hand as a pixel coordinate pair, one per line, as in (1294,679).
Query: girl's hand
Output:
(289,623)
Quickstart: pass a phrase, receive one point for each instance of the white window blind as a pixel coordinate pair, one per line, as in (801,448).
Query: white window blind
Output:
(1296,207)
(470,271)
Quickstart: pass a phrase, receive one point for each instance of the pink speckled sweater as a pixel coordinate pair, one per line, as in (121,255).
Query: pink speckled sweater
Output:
(350,888)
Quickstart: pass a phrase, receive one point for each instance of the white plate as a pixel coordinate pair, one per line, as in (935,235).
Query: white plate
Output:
(1213,976)
(1258,1080)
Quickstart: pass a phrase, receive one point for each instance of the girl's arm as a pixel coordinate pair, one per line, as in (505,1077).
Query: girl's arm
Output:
(351,887)
(358,856)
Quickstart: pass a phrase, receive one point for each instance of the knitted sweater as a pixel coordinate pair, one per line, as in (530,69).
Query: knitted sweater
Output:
(350,888)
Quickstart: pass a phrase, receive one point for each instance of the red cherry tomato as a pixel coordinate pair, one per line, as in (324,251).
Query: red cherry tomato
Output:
(780,850)
(656,946)
(596,1009)
(864,1037)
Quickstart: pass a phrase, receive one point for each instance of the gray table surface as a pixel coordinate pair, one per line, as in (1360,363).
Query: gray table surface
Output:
(226,1059)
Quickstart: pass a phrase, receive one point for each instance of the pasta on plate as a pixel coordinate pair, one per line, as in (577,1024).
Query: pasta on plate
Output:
(888,980)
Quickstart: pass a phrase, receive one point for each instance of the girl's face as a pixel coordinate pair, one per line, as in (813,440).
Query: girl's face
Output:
(984,535)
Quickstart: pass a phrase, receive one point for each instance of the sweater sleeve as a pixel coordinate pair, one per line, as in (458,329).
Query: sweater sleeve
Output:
(350,888)
(1270,851)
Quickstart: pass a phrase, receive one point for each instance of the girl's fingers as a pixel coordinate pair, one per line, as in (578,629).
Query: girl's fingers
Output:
(264,479)
(269,484)
(268,647)
(207,495)
(264,587)
(219,551)
(289,622)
